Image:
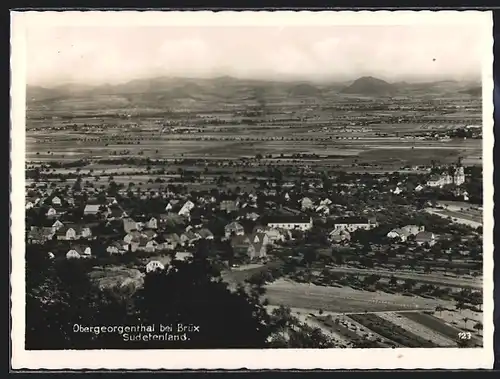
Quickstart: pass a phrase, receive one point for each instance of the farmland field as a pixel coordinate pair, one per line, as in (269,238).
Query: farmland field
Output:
(343,300)
(438,325)
(419,329)
(392,331)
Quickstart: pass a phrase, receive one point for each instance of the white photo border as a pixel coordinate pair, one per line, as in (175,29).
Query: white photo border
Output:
(408,358)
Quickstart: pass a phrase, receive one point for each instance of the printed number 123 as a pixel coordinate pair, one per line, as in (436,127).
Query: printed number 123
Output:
(464,335)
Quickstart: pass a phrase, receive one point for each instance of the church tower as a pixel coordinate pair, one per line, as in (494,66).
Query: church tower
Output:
(459,175)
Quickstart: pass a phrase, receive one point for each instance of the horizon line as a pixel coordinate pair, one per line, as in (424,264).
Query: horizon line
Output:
(315,81)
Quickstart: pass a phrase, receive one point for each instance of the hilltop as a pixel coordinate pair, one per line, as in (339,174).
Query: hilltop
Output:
(368,85)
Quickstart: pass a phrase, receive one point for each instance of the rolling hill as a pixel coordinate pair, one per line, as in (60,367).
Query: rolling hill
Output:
(370,86)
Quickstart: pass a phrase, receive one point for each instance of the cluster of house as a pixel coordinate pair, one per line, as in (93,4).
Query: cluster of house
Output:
(343,228)
(151,234)
(255,244)
(413,231)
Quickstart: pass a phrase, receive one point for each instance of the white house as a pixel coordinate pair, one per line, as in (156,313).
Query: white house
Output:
(154,265)
(152,223)
(86,250)
(419,188)
(51,212)
(186,208)
(72,254)
(183,256)
(403,233)
(56,201)
(57,225)
(306,203)
(66,234)
(290,222)
(168,207)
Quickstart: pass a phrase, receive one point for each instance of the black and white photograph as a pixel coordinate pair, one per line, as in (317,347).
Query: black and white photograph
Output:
(229,190)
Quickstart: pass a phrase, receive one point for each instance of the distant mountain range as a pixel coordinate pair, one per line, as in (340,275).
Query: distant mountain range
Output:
(169,88)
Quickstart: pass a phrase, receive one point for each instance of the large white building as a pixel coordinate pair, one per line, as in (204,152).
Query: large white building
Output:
(290,222)
(352,224)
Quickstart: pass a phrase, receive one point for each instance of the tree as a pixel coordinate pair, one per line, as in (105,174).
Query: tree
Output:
(393,281)
(310,256)
(478,326)
(409,284)
(65,297)
(466,320)
(193,293)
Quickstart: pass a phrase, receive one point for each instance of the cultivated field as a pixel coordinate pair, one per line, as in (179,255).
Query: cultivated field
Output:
(343,300)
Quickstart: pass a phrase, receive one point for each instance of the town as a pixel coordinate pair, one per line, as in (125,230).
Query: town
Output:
(360,230)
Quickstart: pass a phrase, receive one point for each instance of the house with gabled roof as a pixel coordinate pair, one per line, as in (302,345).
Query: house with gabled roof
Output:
(188,238)
(79,251)
(73,254)
(147,245)
(339,236)
(205,233)
(39,235)
(129,225)
(115,248)
(65,234)
(152,223)
(51,212)
(306,203)
(57,225)
(186,208)
(149,233)
(425,238)
(403,233)
(171,241)
(116,213)
(132,235)
(154,266)
(233,228)
(249,246)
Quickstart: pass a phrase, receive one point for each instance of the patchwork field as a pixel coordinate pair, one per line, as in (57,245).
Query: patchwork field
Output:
(343,300)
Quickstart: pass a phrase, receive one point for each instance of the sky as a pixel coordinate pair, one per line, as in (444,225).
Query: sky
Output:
(117,54)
